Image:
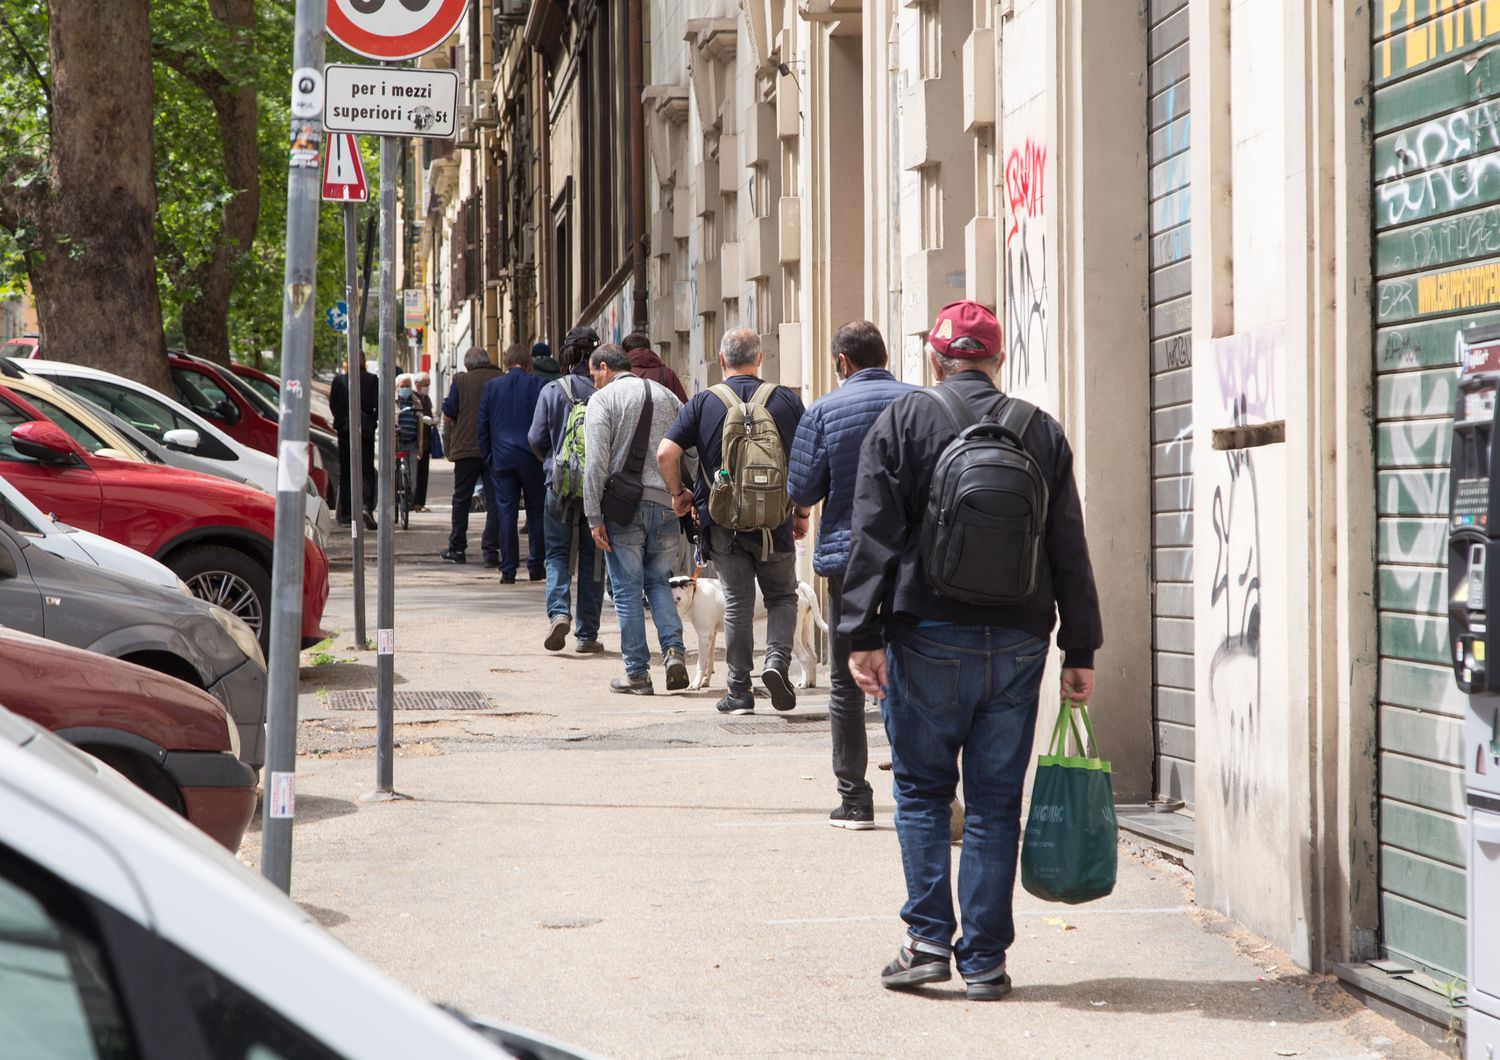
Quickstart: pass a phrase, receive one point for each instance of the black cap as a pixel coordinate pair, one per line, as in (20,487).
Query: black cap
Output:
(582,336)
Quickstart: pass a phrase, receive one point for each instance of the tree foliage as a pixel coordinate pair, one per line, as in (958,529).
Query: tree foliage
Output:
(205,55)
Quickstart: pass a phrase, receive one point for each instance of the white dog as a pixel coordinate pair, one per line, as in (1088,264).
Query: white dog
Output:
(700,602)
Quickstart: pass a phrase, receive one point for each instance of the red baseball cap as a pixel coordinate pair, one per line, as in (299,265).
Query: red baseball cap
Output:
(965,320)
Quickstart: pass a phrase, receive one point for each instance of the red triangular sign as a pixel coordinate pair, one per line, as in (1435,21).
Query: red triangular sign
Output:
(343,172)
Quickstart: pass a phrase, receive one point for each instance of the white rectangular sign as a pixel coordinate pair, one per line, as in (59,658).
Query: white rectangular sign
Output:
(390,101)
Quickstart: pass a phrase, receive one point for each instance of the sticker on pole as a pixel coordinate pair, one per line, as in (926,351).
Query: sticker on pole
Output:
(393,29)
(281,799)
(390,101)
(343,171)
(385,642)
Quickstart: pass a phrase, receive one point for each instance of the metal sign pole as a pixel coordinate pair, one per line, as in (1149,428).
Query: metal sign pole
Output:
(302,194)
(385,634)
(355,378)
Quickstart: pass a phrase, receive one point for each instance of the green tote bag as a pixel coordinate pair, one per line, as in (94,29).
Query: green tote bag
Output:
(1070,850)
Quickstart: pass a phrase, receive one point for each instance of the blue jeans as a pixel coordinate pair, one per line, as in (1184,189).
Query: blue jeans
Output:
(561,528)
(515,488)
(967,691)
(640,560)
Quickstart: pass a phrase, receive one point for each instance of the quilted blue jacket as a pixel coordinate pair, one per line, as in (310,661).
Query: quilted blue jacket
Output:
(825,457)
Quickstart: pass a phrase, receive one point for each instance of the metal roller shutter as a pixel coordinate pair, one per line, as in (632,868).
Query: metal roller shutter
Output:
(1437,236)
(1169,162)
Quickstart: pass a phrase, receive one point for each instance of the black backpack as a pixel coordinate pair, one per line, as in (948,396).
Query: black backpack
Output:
(987,509)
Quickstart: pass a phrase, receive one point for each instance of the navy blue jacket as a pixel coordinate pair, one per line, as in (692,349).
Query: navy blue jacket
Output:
(506,408)
(825,457)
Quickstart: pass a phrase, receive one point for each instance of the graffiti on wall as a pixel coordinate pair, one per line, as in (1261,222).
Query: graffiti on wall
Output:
(1026,265)
(1247,366)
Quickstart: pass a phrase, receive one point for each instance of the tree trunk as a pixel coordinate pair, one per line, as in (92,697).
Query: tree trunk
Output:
(93,272)
(205,318)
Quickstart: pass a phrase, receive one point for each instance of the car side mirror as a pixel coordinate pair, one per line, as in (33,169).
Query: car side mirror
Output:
(227,411)
(181,439)
(44,441)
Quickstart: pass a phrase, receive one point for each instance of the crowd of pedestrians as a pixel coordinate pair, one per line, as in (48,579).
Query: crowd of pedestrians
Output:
(950,539)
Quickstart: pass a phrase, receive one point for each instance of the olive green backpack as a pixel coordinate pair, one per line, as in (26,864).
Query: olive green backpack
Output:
(749,492)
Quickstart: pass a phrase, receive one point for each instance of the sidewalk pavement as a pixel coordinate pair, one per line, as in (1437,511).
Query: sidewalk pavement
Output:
(644,878)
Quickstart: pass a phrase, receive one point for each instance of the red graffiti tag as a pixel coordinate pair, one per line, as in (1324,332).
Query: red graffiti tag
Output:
(1025,177)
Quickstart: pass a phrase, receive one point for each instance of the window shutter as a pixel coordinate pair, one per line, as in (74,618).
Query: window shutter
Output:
(472,250)
(456,262)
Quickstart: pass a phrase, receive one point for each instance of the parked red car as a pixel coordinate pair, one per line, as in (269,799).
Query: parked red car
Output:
(210,391)
(269,387)
(215,534)
(170,739)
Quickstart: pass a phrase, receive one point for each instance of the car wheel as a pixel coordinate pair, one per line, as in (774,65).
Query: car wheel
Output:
(231,579)
(143,774)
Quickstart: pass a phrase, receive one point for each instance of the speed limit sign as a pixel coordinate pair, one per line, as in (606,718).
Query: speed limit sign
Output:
(393,29)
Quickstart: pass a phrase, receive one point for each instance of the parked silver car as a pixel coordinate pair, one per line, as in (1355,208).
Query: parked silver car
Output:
(166,630)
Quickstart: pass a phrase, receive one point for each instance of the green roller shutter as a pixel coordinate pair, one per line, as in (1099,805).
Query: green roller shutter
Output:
(1437,269)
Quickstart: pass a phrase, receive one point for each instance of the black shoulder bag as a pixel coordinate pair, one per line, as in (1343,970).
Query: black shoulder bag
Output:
(623,490)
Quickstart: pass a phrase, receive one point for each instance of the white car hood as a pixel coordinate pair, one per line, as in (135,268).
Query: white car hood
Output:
(74,544)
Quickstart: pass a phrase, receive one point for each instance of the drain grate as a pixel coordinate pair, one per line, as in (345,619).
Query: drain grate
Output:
(365,700)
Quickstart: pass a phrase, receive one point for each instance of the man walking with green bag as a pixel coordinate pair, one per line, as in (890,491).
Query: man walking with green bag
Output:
(968,542)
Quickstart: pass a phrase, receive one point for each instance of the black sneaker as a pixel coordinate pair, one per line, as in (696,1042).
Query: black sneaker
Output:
(537,575)
(589,647)
(988,989)
(449,556)
(677,675)
(370,523)
(633,686)
(853,816)
(914,968)
(507,579)
(783,696)
(737,703)
(557,638)
(492,563)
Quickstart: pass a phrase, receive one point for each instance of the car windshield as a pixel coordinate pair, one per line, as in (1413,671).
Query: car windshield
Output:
(140,442)
(199,392)
(152,418)
(262,406)
(20,514)
(264,387)
(90,441)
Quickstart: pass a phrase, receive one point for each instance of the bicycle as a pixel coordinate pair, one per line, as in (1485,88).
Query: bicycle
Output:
(405,489)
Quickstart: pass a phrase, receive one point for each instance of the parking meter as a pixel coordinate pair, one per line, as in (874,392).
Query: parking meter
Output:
(1473,566)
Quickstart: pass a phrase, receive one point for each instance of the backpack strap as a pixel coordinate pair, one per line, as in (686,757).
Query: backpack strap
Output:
(1014,415)
(957,410)
(724,393)
(565,384)
(762,395)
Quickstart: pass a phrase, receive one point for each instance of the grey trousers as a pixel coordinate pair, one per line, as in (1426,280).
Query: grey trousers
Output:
(739,569)
(846,710)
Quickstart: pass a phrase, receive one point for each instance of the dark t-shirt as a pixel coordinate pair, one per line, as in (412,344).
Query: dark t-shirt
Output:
(700,425)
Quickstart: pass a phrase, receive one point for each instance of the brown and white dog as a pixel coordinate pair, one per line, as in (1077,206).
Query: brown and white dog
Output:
(700,602)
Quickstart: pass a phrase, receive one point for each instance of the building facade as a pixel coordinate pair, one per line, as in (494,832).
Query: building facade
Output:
(1232,246)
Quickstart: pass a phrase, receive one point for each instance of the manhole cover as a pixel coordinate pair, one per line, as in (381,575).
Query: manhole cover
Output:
(365,700)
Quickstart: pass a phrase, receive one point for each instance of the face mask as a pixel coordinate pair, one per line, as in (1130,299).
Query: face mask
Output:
(404,392)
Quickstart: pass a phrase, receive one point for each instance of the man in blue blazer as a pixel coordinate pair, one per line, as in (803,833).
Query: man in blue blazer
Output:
(506,408)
